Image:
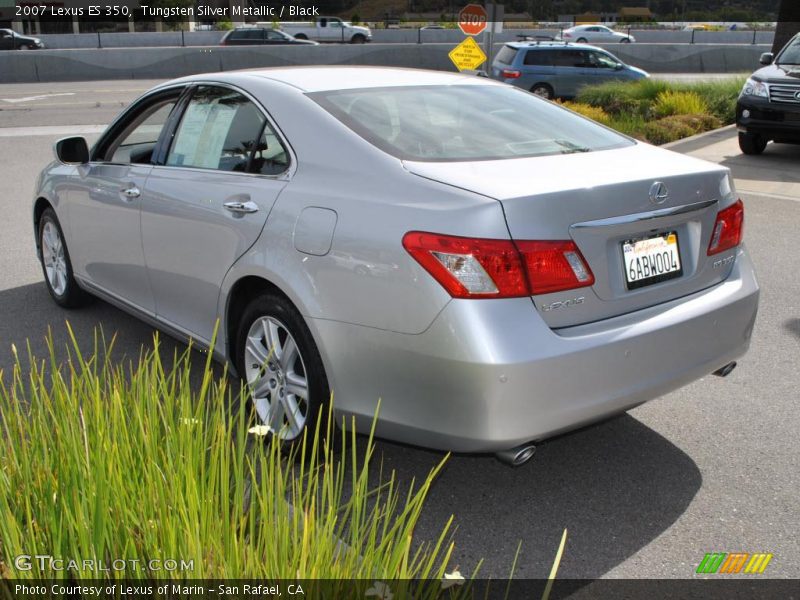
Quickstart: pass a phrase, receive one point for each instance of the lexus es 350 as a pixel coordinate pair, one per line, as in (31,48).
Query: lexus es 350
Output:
(493,267)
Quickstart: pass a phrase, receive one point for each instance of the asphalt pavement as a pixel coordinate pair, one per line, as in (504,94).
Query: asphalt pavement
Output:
(711,467)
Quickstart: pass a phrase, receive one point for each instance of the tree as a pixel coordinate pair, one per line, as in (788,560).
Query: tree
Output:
(788,23)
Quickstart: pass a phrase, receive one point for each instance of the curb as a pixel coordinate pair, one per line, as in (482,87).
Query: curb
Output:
(695,142)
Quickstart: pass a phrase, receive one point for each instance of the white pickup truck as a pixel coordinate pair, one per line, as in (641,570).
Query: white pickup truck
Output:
(328,29)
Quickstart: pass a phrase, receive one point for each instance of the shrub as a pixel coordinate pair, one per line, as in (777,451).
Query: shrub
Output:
(587,110)
(670,103)
(102,461)
(675,127)
(617,97)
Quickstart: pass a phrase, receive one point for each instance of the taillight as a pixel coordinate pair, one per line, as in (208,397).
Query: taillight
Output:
(483,268)
(510,74)
(555,266)
(467,267)
(728,229)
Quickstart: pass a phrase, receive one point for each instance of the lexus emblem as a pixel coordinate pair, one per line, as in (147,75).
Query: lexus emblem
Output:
(659,192)
(797,95)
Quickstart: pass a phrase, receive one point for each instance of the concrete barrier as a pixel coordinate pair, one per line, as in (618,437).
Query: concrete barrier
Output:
(156,63)
(386,36)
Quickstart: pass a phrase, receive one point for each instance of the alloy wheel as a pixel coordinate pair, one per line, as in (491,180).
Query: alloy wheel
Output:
(55,262)
(276,375)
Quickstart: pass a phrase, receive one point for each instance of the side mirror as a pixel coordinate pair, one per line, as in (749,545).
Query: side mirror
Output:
(767,58)
(72,151)
(619,67)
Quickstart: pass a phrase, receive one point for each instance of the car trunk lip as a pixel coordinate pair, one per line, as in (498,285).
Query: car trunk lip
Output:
(599,200)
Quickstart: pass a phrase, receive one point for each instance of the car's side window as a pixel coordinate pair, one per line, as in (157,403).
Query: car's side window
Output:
(570,58)
(221,129)
(538,58)
(269,156)
(138,140)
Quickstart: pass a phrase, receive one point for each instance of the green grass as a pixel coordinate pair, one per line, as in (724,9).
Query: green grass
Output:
(106,461)
(658,111)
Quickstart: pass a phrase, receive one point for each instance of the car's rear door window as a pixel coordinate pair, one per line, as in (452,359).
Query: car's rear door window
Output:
(570,58)
(540,58)
(222,129)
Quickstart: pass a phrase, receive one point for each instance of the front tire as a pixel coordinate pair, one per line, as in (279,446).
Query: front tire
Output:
(56,264)
(277,358)
(582,40)
(301,36)
(752,143)
(358,39)
(625,41)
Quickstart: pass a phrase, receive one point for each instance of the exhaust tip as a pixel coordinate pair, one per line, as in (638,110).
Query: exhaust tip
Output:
(726,370)
(518,456)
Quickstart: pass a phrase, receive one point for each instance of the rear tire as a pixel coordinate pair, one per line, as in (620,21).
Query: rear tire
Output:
(56,264)
(543,90)
(752,143)
(278,360)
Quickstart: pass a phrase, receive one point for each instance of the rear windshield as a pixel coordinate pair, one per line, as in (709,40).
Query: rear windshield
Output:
(506,55)
(464,122)
(791,55)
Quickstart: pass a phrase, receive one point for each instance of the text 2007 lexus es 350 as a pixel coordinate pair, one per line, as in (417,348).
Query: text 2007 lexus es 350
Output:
(496,269)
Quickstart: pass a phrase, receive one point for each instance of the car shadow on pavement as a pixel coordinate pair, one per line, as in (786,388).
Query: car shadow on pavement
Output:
(778,164)
(29,314)
(615,487)
(793,327)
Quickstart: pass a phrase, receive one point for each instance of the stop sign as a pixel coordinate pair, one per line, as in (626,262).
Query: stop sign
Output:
(472,19)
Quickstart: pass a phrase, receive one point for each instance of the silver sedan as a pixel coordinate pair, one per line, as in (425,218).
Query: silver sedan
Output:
(493,267)
(595,34)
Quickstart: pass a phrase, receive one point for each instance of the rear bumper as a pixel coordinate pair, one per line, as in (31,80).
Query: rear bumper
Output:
(489,375)
(771,120)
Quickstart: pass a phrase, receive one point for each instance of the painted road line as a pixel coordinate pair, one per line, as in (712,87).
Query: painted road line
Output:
(32,98)
(7,132)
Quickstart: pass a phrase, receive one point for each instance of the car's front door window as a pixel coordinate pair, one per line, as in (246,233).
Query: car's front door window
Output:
(137,142)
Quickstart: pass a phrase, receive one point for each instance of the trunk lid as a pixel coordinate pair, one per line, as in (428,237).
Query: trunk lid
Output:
(600,200)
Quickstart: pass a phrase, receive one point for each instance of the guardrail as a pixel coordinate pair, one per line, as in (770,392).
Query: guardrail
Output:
(156,63)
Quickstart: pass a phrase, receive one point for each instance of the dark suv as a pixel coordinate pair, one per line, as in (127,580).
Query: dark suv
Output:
(769,104)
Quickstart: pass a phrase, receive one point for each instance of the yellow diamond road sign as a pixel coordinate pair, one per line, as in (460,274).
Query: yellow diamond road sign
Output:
(467,55)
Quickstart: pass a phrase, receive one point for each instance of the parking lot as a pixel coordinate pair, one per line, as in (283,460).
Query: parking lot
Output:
(711,467)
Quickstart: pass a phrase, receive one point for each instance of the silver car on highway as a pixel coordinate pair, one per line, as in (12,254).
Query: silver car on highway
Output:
(493,267)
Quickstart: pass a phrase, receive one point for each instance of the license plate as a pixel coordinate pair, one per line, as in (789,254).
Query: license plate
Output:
(651,260)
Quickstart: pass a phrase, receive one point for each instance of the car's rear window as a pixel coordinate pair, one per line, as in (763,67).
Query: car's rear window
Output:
(464,122)
(506,55)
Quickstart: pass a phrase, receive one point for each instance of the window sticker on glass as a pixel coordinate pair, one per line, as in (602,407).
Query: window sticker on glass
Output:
(201,136)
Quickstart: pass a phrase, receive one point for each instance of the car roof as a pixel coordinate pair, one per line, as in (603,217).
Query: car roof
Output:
(329,78)
(550,45)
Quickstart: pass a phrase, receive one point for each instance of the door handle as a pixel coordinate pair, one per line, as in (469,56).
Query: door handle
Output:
(131,192)
(241,208)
